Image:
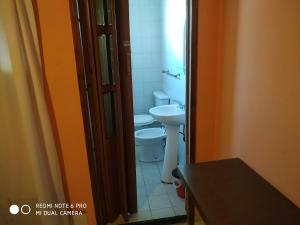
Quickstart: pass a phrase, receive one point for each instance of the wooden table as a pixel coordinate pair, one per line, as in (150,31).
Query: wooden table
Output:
(229,192)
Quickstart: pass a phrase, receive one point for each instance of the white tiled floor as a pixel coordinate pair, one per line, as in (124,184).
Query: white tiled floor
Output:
(155,199)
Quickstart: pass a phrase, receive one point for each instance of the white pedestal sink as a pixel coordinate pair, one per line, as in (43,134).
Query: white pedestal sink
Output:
(172,116)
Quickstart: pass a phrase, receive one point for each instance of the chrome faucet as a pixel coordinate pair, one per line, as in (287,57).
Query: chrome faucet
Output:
(180,105)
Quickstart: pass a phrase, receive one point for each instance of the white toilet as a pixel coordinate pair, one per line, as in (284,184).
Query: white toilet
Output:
(150,142)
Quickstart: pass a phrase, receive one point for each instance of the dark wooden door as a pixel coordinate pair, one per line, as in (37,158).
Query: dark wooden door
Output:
(96,45)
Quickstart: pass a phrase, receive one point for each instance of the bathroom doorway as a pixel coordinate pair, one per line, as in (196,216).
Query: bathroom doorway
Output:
(154,46)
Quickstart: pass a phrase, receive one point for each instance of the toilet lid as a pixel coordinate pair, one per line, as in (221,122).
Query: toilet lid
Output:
(142,120)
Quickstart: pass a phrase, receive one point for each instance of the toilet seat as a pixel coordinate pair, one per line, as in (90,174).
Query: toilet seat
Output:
(143,120)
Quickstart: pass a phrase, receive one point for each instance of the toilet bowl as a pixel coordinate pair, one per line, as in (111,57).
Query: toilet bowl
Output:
(150,142)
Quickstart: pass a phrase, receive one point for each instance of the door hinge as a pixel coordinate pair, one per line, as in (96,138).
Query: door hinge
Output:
(126,43)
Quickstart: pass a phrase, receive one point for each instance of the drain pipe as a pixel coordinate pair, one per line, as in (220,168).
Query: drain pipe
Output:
(183,133)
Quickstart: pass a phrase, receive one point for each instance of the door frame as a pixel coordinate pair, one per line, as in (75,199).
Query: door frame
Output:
(124,50)
(191,86)
(191,81)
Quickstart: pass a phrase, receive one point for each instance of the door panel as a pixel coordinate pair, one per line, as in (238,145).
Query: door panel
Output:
(109,110)
(96,30)
(100,12)
(106,64)
(104,59)
(89,101)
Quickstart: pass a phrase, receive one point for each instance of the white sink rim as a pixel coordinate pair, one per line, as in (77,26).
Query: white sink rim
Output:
(168,114)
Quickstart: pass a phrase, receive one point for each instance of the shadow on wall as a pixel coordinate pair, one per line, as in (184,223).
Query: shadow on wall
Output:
(174,47)
(259,111)
(227,90)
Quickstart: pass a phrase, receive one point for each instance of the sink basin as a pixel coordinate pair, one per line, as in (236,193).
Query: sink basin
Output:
(168,114)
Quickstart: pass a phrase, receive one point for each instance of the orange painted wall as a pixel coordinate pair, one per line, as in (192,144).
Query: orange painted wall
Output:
(60,72)
(258,95)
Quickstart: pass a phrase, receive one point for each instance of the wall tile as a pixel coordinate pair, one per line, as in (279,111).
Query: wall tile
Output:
(145,28)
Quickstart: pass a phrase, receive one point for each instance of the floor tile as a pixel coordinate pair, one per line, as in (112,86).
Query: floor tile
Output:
(152,172)
(160,166)
(141,190)
(137,159)
(170,189)
(149,168)
(140,216)
(155,189)
(139,180)
(146,163)
(155,199)
(179,211)
(162,213)
(152,180)
(159,202)
(176,201)
(138,171)
(143,203)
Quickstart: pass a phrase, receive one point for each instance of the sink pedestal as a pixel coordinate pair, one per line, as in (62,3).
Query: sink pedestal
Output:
(171,150)
(172,116)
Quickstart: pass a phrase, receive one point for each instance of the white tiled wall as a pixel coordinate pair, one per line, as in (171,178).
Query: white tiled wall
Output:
(157,29)
(174,47)
(173,56)
(145,32)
